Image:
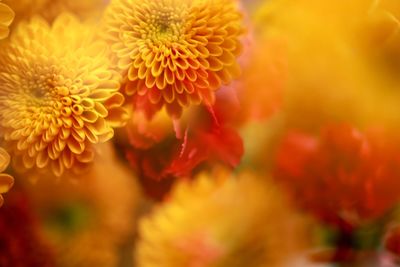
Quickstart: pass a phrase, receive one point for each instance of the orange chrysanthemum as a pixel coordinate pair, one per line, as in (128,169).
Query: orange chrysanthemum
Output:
(174,53)
(58,96)
(6,180)
(6,18)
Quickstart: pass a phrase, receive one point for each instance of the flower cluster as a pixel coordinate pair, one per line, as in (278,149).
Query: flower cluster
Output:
(199,133)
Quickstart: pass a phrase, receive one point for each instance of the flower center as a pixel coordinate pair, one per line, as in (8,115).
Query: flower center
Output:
(38,89)
(38,93)
(44,91)
(164,24)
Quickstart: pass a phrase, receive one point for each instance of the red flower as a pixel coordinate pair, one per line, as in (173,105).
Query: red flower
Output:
(344,177)
(159,155)
(20,244)
(392,242)
(218,144)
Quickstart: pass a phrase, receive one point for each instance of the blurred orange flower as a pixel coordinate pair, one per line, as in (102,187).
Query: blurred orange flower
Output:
(174,53)
(86,222)
(344,177)
(197,227)
(265,76)
(58,95)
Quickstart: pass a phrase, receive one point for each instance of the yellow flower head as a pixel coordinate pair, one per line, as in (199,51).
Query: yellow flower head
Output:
(218,221)
(6,181)
(58,96)
(174,53)
(6,18)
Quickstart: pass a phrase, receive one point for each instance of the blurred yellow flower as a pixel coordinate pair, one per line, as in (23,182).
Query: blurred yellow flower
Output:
(6,180)
(58,95)
(174,53)
(86,222)
(341,59)
(219,221)
(6,18)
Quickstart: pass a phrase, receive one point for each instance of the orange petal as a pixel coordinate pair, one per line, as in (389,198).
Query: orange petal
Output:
(6,182)
(4,159)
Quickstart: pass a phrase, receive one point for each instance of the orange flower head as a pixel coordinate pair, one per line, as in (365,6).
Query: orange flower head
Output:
(6,18)
(58,95)
(174,53)
(6,181)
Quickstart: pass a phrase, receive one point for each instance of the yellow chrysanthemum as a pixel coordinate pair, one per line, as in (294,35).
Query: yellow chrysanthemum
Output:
(6,18)
(58,96)
(219,222)
(6,180)
(174,53)
(86,222)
